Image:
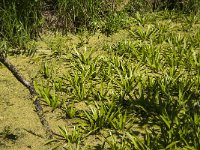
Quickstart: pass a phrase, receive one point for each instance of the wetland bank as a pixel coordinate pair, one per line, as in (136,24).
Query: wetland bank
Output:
(106,78)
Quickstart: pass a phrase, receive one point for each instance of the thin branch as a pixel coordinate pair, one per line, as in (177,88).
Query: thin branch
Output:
(30,87)
(17,75)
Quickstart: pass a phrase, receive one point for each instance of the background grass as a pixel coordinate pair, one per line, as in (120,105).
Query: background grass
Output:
(22,21)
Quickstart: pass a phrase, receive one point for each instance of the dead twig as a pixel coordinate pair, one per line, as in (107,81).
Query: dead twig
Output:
(30,87)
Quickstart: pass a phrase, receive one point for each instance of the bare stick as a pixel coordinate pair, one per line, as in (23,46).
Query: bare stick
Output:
(30,87)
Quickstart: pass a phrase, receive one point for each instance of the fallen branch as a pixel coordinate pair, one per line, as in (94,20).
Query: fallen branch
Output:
(30,87)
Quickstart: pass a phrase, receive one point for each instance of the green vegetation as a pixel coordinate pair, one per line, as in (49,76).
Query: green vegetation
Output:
(119,78)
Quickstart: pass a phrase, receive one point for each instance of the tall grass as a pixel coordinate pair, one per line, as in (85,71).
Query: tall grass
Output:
(187,6)
(73,14)
(20,21)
